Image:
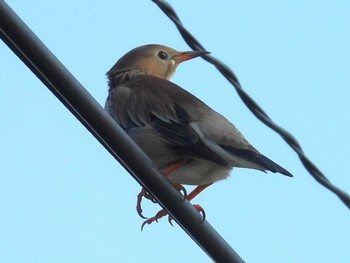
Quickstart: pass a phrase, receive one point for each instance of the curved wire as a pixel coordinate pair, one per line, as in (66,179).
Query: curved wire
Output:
(252,105)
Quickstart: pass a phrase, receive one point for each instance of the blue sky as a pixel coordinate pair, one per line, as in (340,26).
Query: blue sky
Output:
(63,198)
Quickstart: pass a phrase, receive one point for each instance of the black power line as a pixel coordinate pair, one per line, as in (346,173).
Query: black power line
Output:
(27,46)
(252,105)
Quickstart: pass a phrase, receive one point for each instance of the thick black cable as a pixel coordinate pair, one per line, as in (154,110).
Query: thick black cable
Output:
(252,105)
(72,94)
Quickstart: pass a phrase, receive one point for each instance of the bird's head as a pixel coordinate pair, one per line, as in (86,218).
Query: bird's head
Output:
(157,60)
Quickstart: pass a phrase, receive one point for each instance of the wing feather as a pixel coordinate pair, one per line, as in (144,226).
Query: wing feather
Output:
(185,123)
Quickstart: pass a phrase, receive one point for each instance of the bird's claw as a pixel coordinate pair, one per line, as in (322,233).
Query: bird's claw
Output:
(182,189)
(142,194)
(201,211)
(170,219)
(150,220)
(148,196)
(163,212)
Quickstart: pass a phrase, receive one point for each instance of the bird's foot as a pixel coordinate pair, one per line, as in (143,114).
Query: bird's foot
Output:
(163,212)
(146,195)
(150,220)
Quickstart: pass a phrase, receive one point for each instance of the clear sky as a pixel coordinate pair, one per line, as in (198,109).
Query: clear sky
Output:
(63,198)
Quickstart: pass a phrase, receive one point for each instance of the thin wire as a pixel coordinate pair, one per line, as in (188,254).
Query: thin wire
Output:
(252,105)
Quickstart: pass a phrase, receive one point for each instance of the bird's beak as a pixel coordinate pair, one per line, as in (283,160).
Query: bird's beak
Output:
(186,55)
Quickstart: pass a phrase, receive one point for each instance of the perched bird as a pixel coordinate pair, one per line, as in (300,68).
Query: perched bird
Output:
(187,140)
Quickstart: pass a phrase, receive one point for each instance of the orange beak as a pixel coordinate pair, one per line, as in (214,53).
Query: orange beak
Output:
(187,55)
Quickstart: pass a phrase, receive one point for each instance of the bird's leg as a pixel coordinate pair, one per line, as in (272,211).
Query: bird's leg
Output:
(173,167)
(147,195)
(197,191)
(189,197)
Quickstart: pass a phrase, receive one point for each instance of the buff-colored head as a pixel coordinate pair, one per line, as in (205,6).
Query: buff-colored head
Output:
(156,60)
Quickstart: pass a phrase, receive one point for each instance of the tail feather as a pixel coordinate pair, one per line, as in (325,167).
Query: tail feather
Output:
(258,159)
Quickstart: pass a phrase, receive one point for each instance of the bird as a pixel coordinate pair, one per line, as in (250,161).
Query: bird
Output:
(189,142)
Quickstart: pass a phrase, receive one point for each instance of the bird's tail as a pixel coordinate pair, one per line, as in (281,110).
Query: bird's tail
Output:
(270,165)
(258,159)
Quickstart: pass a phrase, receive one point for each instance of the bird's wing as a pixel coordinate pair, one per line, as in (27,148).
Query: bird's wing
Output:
(136,102)
(184,121)
(151,101)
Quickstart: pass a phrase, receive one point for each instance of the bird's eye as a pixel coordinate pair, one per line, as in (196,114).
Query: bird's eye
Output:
(163,55)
